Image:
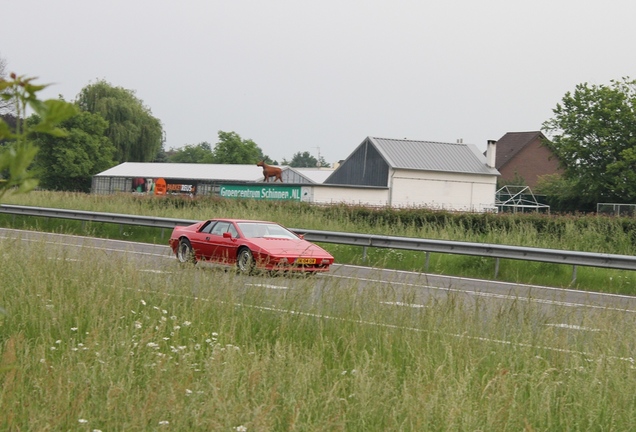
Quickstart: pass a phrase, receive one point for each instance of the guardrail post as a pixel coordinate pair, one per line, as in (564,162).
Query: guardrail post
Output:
(496,267)
(573,273)
(364,254)
(427,261)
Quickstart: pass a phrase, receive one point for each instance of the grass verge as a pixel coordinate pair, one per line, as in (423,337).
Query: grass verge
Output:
(94,344)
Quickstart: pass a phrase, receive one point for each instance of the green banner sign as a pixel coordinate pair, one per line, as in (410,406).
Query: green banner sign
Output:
(261,192)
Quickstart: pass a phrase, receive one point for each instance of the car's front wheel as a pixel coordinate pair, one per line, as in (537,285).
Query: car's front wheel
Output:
(245,261)
(185,253)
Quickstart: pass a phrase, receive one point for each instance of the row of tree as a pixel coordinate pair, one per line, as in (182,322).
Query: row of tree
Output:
(112,126)
(232,149)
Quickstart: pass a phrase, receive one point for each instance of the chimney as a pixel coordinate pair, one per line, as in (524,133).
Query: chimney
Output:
(491,153)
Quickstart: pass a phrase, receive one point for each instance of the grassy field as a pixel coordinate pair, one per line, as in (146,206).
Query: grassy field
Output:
(102,345)
(585,233)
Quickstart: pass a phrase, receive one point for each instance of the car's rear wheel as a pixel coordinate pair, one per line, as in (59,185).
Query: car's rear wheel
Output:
(245,261)
(185,253)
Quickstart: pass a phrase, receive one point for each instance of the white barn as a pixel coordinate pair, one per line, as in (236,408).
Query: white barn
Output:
(403,173)
(379,172)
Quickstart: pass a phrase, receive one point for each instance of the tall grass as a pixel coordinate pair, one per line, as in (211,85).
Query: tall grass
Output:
(572,232)
(102,344)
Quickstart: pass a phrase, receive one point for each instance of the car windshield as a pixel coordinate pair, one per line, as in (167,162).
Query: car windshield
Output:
(269,230)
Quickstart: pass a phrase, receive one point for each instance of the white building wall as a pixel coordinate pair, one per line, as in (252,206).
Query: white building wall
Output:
(442,190)
(350,195)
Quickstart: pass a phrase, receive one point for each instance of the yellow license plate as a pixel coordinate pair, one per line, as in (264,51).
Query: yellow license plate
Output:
(306,261)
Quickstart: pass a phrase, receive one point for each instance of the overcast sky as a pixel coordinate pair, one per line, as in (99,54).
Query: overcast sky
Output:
(308,75)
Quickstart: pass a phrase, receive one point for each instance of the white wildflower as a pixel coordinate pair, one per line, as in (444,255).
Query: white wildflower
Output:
(143,302)
(82,421)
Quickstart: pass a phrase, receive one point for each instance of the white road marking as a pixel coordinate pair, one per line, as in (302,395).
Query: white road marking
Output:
(573,327)
(101,248)
(393,326)
(60,259)
(279,287)
(491,295)
(412,305)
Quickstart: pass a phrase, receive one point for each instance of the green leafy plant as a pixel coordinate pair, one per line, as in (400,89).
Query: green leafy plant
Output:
(17,151)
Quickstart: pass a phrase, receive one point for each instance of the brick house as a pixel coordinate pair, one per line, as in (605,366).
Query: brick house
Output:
(521,155)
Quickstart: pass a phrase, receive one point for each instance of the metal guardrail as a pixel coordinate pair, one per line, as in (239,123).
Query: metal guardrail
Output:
(574,258)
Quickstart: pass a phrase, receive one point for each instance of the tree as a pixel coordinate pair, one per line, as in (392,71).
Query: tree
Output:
(17,151)
(200,153)
(7,107)
(135,133)
(232,149)
(593,135)
(305,160)
(69,162)
(161,156)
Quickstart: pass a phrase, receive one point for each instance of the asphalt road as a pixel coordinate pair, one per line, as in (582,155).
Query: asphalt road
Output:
(399,288)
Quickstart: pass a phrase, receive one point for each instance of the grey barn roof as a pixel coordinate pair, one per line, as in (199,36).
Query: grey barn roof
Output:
(192,171)
(212,172)
(432,156)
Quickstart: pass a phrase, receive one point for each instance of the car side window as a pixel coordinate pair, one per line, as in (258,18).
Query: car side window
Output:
(220,228)
(232,229)
(207,228)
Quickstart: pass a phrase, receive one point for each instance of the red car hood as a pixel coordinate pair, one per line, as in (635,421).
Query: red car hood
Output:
(278,246)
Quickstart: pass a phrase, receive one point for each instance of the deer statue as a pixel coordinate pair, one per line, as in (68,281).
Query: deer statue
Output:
(270,171)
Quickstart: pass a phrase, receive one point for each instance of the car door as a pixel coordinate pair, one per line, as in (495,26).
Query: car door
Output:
(230,244)
(217,244)
(201,241)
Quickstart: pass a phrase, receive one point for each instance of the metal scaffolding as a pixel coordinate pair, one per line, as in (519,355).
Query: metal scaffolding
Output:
(518,199)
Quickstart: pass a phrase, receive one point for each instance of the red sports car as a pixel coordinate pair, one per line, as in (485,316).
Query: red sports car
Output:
(248,244)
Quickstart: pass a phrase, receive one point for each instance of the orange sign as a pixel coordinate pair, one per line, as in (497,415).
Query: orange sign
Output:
(160,186)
